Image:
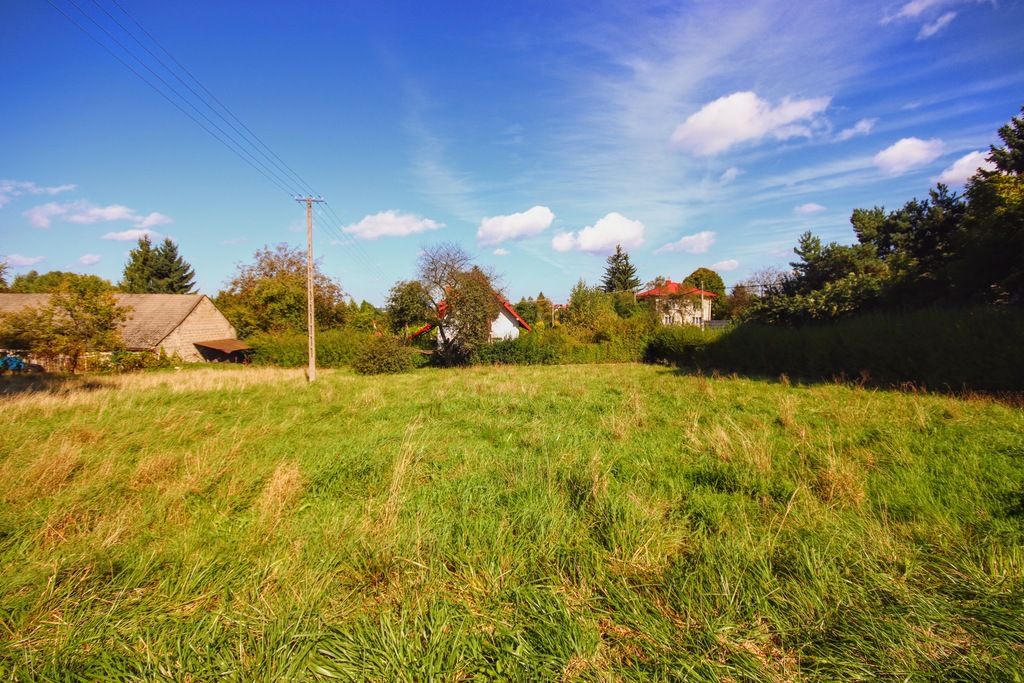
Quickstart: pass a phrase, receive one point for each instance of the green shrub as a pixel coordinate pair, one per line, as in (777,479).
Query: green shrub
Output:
(131,361)
(334,348)
(383,355)
(949,348)
(679,345)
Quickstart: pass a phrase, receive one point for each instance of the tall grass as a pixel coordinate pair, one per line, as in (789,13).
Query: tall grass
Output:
(537,523)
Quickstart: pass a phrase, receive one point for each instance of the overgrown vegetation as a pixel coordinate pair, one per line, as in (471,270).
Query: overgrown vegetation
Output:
(969,348)
(576,523)
(269,295)
(80,316)
(383,355)
(334,348)
(945,250)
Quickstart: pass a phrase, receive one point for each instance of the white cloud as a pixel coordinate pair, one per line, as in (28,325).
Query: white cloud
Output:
(965,167)
(154,219)
(726,265)
(90,259)
(862,127)
(908,154)
(743,117)
(391,224)
(497,229)
(808,209)
(500,252)
(690,244)
(86,213)
(9,189)
(930,29)
(19,261)
(728,175)
(913,9)
(602,236)
(131,235)
(41,216)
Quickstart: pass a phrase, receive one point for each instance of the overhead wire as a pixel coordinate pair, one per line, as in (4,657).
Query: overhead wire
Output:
(175,91)
(163,94)
(279,173)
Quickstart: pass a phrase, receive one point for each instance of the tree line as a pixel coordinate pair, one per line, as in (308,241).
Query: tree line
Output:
(947,249)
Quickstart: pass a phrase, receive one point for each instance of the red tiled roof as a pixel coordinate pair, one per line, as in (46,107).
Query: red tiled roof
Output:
(674,289)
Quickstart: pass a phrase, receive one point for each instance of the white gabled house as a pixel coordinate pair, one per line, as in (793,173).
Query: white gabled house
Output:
(507,325)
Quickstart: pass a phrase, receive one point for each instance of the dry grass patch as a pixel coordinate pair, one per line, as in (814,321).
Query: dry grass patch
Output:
(281,491)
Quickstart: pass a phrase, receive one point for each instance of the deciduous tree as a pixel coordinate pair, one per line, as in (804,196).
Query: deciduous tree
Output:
(408,307)
(269,295)
(80,316)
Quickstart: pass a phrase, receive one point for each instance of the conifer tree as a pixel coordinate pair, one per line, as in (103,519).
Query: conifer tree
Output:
(171,273)
(620,274)
(138,272)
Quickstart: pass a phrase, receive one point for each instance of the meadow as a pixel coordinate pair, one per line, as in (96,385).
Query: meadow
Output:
(565,523)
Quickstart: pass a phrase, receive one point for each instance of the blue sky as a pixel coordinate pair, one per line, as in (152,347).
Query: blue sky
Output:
(535,134)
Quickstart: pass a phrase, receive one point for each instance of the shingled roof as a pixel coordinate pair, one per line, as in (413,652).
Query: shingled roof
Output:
(152,316)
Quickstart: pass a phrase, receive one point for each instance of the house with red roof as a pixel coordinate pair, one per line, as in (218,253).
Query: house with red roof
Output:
(507,325)
(679,304)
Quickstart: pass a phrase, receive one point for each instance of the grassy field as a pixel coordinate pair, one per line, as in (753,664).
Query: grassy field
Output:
(543,523)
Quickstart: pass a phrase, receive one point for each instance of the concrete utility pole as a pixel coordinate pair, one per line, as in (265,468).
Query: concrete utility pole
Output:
(310,309)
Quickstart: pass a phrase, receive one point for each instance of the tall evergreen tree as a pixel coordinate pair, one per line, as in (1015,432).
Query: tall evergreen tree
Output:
(138,272)
(620,274)
(171,273)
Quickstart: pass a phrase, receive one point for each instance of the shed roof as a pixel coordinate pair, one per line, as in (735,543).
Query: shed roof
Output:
(152,316)
(224,345)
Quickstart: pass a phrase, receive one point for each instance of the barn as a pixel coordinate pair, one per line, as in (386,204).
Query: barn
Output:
(189,325)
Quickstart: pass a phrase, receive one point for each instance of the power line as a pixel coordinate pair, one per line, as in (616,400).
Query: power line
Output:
(212,96)
(163,94)
(281,174)
(280,164)
(174,90)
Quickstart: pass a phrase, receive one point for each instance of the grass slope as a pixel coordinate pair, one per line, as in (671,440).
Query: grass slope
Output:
(542,523)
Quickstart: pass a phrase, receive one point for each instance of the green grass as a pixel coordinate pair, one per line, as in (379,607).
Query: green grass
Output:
(603,522)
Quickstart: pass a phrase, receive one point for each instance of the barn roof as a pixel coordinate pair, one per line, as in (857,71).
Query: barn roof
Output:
(152,316)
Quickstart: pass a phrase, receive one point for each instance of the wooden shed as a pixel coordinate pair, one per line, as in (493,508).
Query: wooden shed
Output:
(189,325)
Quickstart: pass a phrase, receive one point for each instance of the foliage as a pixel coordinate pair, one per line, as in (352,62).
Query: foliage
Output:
(408,307)
(439,266)
(942,250)
(590,312)
(682,345)
(973,348)
(3,275)
(615,522)
(710,281)
(81,315)
(159,270)
(383,355)
(137,277)
(34,282)
(172,274)
(269,295)
(334,348)
(620,273)
(470,309)
(365,317)
(132,361)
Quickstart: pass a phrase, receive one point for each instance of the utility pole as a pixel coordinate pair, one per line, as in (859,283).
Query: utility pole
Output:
(310,309)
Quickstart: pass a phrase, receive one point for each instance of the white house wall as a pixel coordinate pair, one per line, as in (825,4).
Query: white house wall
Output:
(504,326)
